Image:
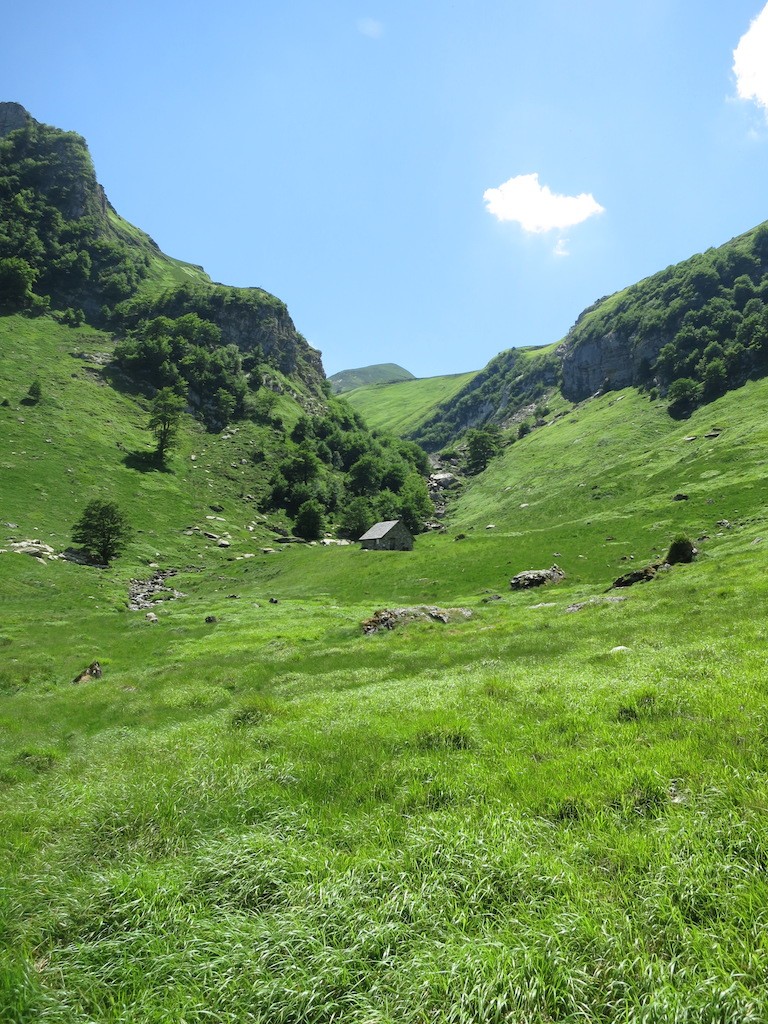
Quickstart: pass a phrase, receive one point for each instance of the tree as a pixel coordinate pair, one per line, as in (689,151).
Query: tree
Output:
(482,445)
(309,520)
(715,379)
(683,395)
(102,530)
(366,474)
(17,279)
(416,506)
(165,414)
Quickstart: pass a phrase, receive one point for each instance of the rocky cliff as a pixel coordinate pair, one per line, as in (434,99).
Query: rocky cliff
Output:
(74,253)
(704,320)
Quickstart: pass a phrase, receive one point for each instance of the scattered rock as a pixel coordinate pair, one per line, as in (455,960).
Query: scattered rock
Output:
(757,540)
(491,526)
(233,597)
(224,543)
(643,575)
(680,497)
(389,618)
(619,649)
(691,437)
(151,617)
(273,600)
(35,548)
(537,578)
(210,619)
(594,600)
(146,593)
(216,508)
(491,597)
(92,672)
(724,523)
(715,432)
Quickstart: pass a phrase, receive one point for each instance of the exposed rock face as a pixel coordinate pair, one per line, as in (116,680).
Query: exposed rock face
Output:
(608,363)
(537,578)
(82,196)
(12,116)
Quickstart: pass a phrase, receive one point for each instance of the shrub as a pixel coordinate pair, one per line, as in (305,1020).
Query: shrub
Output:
(682,549)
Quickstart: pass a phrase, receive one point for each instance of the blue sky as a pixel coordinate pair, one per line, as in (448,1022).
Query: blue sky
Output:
(422,182)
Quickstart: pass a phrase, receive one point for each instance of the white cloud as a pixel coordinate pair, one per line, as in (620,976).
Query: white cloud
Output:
(370,27)
(535,207)
(561,249)
(750,62)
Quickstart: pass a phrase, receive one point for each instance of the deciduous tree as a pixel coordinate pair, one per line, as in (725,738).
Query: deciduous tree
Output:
(102,530)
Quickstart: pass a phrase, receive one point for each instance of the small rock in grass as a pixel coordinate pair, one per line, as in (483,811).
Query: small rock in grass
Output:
(151,617)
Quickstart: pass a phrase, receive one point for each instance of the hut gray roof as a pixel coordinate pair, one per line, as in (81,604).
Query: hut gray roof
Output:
(380,530)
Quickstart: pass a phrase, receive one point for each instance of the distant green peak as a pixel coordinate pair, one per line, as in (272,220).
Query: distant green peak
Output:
(379,373)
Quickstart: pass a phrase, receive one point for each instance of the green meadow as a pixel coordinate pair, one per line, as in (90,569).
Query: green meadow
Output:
(405,405)
(553,809)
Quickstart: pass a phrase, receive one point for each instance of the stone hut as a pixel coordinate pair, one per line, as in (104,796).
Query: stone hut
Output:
(393,535)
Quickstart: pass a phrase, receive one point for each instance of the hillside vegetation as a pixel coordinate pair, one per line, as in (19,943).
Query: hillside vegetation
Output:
(229,355)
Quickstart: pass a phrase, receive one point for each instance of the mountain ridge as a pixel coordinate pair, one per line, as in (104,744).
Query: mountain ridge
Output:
(79,255)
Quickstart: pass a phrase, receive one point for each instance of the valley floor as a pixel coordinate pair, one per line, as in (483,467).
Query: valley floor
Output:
(553,810)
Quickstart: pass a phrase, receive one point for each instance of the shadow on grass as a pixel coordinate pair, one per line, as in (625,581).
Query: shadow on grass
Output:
(146,462)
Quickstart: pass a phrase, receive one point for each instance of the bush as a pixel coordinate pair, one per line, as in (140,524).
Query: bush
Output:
(682,549)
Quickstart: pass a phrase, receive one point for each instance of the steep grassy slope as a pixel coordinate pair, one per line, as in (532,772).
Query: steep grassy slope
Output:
(403,406)
(531,814)
(511,381)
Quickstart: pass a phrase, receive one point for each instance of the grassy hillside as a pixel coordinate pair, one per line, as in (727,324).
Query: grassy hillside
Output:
(381,373)
(534,813)
(401,407)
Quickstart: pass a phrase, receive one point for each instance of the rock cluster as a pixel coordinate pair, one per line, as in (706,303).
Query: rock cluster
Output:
(537,578)
(35,548)
(389,618)
(145,593)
